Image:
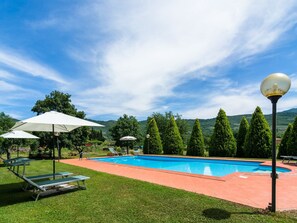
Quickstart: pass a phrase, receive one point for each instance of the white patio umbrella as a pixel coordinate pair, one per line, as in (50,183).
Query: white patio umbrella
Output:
(54,122)
(128,138)
(18,134)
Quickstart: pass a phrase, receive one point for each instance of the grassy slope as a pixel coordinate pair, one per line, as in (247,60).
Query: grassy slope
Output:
(111,198)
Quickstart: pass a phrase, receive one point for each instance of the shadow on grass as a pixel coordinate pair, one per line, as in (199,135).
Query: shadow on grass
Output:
(13,194)
(216,213)
(220,214)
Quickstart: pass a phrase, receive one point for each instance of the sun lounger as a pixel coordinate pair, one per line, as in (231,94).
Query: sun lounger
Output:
(289,158)
(15,163)
(286,158)
(45,176)
(50,175)
(136,151)
(15,160)
(112,150)
(48,186)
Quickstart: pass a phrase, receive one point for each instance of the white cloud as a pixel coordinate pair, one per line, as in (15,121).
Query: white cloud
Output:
(239,100)
(12,89)
(157,45)
(43,24)
(232,100)
(6,75)
(4,86)
(29,66)
(136,53)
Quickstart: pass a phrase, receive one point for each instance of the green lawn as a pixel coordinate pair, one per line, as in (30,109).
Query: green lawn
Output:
(111,198)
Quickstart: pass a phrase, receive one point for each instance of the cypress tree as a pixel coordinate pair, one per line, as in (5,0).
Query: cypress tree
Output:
(173,143)
(292,143)
(222,140)
(153,144)
(283,147)
(196,142)
(258,139)
(243,129)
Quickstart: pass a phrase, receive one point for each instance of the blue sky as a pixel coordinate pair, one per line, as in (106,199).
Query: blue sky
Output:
(138,57)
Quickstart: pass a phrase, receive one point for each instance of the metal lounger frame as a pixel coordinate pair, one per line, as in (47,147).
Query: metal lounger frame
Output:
(42,187)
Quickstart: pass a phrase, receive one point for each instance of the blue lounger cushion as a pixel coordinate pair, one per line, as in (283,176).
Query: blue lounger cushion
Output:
(50,175)
(57,182)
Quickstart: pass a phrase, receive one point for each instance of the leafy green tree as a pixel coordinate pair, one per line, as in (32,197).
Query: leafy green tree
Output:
(6,122)
(152,144)
(242,132)
(222,140)
(96,135)
(196,143)
(60,102)
(56,101)
(292,142)
(283,147)
(162,122)
(258,139)
(173,143)
(183,127)
(125,126)
(77,141)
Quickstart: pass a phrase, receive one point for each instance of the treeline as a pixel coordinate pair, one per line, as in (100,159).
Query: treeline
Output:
(163,136)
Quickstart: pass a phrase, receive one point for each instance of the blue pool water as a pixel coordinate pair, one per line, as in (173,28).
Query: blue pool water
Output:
(207,167)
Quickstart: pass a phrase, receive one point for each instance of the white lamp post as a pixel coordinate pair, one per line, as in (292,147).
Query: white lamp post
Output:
(274,87)
(148,143)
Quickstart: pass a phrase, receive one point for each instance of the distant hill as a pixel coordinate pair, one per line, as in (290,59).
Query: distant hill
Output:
(207,125)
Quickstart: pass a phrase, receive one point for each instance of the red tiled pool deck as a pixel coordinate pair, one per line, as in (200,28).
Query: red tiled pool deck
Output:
(249,189)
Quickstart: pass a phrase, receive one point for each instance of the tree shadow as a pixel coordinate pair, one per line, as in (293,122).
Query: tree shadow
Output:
(220,214)
(216,213)
(13,194)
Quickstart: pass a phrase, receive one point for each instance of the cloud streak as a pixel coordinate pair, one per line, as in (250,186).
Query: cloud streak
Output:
(16,84)
(20,63)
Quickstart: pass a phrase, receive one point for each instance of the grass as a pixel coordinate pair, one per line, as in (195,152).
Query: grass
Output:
(110,198)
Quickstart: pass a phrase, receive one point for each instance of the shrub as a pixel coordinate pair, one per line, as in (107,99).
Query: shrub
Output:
(242,132)
(153,144)
(109,154)
(173,143)
(283,147)
(222,140)
(196,142)
(292,142)
(258,139)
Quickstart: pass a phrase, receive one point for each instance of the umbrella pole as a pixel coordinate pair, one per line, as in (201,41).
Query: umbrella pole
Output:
(58,149)
(54,163)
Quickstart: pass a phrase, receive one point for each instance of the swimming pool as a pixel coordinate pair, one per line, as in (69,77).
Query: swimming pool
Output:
(207,167)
